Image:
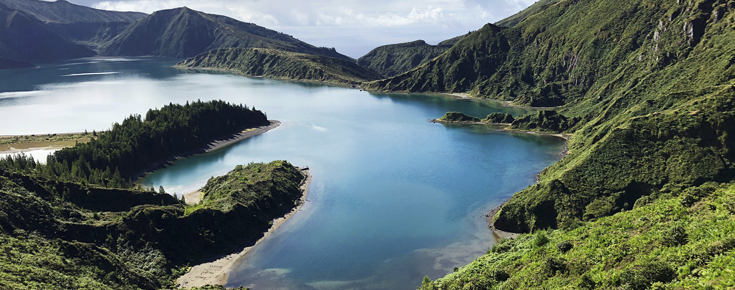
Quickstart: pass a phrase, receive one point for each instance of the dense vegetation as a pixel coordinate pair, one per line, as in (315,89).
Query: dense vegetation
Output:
(58,235)
(647,92)
(506,118)
(183,32)
(676,240)
(649,102)
(255,182)
(393,59)
(279,64)
(115,157)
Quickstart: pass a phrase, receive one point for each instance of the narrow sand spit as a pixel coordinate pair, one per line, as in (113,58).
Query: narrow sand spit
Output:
(461,96)
(221,143)
(217,272)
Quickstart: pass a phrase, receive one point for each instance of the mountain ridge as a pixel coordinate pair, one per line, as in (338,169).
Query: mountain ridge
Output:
(183,32)
(79,24)
(393,59)
(25,38)
(276,64)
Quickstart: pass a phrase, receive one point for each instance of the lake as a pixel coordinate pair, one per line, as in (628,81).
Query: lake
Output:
(393,197)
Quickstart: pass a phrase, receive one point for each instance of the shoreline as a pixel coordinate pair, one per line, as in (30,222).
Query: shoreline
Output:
(500,234)
(465,96)
(507,104)
(211,146)
(218,271)
(355,85)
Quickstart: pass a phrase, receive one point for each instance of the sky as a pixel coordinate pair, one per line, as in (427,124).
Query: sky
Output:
(353,27)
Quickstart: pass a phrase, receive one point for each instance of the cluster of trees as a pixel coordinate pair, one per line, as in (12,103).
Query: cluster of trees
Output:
(136,144)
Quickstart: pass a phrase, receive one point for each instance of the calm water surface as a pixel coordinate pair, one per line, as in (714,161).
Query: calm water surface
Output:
(393,197)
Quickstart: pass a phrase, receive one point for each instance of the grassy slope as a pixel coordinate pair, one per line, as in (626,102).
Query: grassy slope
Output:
(59,235)
(649,96)
(183,32)
(668,243)
(277,64)
(661,119)
(647,91)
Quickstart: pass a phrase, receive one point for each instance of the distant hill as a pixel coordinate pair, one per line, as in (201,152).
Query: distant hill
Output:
(278,64)
(183,32)
(77,23)
(393,59)
(62,11)
(25,38)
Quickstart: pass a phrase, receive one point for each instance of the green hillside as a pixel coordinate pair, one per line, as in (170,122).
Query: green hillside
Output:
(277,64)
(666,242)
(390,60)
(646,89)
(183,32)
(25,38)
(58,235)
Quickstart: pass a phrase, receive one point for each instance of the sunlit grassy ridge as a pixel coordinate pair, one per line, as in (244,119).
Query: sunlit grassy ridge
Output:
(668,242)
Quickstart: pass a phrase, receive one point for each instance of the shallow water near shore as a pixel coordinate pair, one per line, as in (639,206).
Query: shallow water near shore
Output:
(393,197)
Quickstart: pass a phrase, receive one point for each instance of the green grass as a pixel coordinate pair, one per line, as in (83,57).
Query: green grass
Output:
(647,104)
(664,243)
(247,185)
(57,235)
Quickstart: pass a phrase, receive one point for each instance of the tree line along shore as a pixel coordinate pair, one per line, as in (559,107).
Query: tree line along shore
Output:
(71,225)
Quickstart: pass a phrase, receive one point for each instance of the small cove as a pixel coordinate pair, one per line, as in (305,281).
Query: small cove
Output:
(393,197)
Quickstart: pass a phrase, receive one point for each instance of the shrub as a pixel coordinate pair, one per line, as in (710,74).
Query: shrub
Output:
(585,282)
(565,246)
(675,236)
(552,266)
(599,208)
(643,276)
(497,275)
(570,224)
(540,240)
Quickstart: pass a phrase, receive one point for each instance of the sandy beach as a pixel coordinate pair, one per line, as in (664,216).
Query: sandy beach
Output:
(217,272)
(222,143)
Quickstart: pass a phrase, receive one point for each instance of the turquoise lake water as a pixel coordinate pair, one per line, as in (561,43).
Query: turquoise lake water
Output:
(393,197)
